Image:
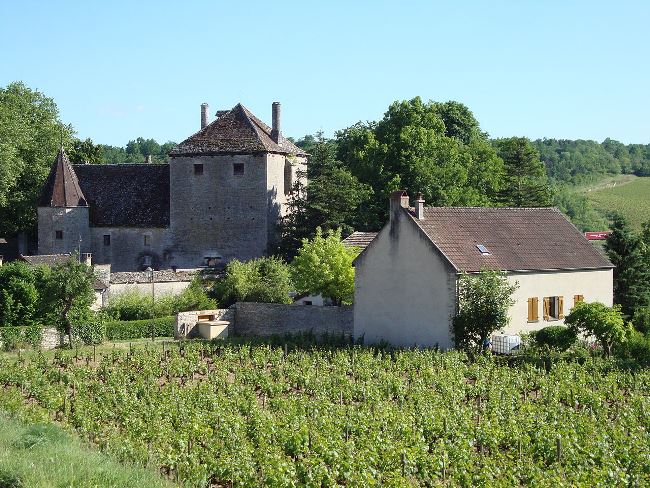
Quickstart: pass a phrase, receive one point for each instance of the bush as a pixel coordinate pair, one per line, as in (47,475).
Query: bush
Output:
(17,337)
(605,323)
(636,349)
(134,305)
(91,331)
(137,329)
(555,336)
(641,320)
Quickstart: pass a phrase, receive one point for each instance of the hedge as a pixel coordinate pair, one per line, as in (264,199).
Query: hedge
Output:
(15,337)
(136,329)
(555,336)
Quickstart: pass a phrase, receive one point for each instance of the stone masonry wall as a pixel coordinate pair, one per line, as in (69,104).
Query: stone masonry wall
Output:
(127,249)
(185,327)
(73,222)
(264,319)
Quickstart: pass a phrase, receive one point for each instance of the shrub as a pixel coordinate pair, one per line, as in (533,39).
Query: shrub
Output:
(137,329)
(265,280)
(131,305)
(641,320)
(17,337)
(555,336)
(605,323)
(636,349)
(93,330)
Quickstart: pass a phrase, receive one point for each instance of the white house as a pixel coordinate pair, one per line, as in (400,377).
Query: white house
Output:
(406,278)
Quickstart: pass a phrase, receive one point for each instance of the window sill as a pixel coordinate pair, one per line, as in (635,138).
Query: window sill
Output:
(552,319)
(533,321)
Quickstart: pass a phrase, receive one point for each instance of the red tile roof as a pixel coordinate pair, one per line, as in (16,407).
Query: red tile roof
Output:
(61,187)
(237,131)
(515,238)
(359,239)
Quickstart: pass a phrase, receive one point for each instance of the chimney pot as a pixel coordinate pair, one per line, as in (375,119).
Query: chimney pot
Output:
(204,115)
(419,206)
(275,124)
(398,198)
(87,258)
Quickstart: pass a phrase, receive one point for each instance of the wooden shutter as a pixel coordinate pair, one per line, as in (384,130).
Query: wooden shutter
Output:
(547,308)
(535,308)
(530,310)
(577,299)
(560,308)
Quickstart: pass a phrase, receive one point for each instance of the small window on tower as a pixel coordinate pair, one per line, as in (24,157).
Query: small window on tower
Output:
(147,240)
(238,169)
(58,234)
(107,239)
(198,169)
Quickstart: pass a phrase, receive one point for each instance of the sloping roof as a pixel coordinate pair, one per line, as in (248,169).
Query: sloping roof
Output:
(237,131)
(61,188)
(515,238)
(126,195)
(359,239)
(47,259)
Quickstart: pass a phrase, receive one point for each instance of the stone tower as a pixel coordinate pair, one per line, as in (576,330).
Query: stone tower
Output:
(63,220)
(229,184)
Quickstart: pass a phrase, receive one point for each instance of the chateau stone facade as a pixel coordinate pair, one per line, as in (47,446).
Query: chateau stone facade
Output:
(219,198)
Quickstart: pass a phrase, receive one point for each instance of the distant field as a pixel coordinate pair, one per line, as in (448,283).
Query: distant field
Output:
(629,197)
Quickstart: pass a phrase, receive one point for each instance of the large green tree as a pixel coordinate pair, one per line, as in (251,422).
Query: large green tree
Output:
(605,323)
(626,251)
(30,135)
(433,148)
(525,183)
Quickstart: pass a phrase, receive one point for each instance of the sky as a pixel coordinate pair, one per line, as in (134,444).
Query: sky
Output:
(125,69)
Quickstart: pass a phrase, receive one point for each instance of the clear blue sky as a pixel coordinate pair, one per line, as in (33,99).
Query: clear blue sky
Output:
(119,70)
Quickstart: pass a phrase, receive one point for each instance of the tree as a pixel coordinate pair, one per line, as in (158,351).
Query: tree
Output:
(85,152)
(70,294)
(525,182)
(265,280)
(483,303)
(324,266)
(433,148)
(30,136)
(19,295)
(631,274)
(605,323)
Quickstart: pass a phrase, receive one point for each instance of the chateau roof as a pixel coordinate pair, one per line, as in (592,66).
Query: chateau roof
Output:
(61,187)
(515,239)
(235,132)
(126,195)
(46,259)
(359,239)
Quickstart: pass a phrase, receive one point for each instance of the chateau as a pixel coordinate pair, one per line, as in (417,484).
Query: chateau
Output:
(220,197)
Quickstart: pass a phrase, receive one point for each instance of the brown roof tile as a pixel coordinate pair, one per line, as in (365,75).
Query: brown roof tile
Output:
(61,187)
(516,239)
(359,239)
(237,131)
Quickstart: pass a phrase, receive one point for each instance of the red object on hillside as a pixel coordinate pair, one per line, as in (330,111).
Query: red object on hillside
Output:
(597,236)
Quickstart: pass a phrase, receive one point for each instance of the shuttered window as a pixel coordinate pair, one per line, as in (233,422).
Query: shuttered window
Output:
(533,308)
(547,307)
(577,299)
(560,307)
(553,308)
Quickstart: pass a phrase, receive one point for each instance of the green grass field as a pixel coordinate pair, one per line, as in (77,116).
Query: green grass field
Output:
(44,455)
(628,196)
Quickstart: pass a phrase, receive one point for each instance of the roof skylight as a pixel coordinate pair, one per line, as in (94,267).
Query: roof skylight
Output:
(483,249)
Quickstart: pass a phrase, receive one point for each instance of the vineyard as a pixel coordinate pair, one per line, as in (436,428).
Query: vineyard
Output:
(238,415)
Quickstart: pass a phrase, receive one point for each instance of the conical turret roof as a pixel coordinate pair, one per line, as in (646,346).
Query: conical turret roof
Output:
(62,187)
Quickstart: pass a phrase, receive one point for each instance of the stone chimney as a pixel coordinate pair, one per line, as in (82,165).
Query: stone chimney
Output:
(149,160)
(398,199)
(275,127)
(204,115)
(87,258)
(419,206)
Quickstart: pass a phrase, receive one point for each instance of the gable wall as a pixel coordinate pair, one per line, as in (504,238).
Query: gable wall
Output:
(404,291)
(72,221)
(594,285)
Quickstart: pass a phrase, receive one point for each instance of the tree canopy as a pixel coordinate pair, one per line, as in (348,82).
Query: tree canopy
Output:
(606,324)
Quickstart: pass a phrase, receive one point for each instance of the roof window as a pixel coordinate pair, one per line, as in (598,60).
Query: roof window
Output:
(484,250)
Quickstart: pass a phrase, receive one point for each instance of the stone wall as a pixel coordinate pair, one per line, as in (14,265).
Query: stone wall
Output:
(264,319)
(127,249)
(73,222)
(166,282)
(52,338)
(185,327)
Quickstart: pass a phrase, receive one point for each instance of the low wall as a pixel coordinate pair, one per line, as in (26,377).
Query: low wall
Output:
(186,328)
(264,319)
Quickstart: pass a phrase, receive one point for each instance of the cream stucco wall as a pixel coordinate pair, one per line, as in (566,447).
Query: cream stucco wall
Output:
(404,292)
(160,289)
(594,285)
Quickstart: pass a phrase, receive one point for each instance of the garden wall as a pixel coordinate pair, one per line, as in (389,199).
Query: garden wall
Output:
(265,319)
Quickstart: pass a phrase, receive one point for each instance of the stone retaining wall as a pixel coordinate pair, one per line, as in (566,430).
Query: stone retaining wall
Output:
(185,327)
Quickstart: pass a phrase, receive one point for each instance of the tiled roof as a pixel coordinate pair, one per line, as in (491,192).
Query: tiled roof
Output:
(47,259)
(359,239)
(126,195)
(237,131)
(515,238)
(61,187)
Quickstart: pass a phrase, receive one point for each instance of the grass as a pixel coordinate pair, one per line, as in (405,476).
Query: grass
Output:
(629,196)
(44,455)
